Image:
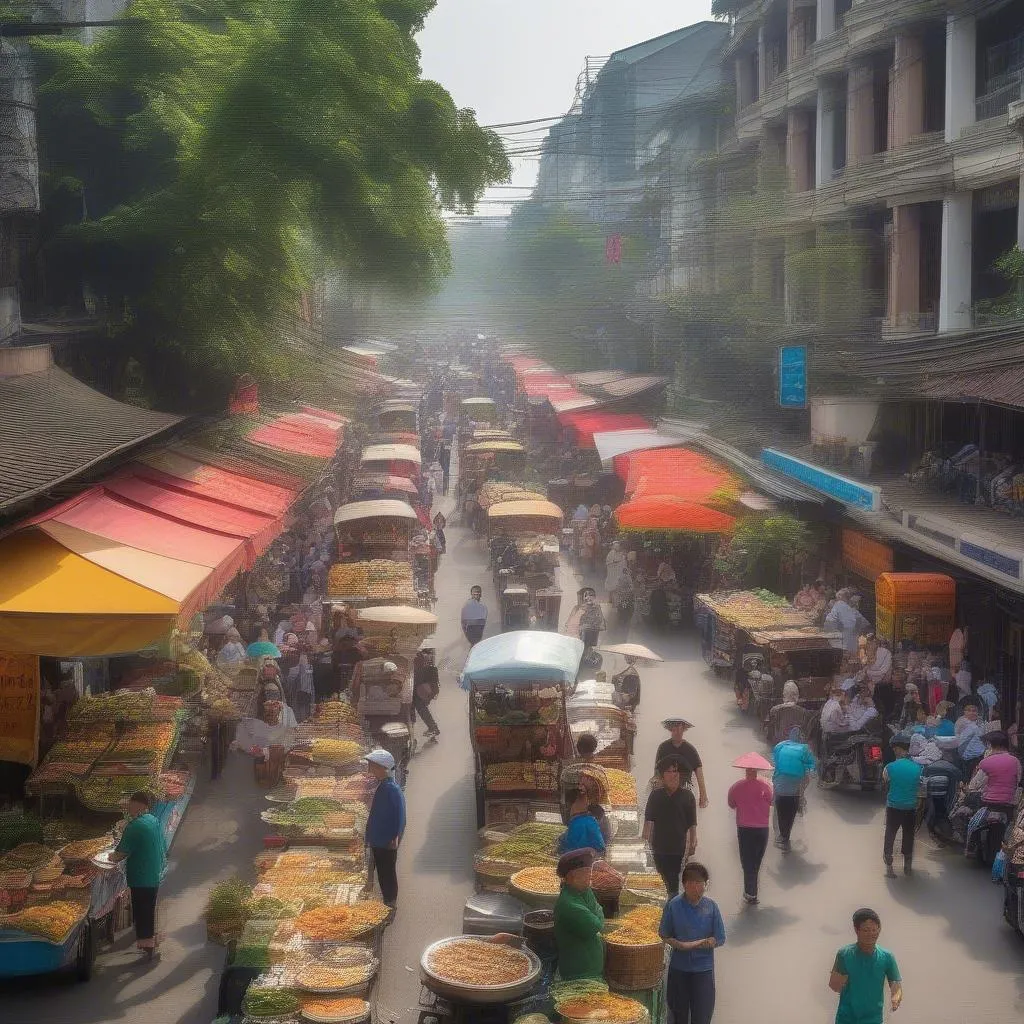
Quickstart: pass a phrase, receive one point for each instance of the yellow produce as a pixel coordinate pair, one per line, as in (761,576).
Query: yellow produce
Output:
(472,962)
(543,880)
(621,788)
(51,920)
(335,752)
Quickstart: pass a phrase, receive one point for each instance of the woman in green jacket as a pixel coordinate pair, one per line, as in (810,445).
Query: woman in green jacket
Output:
(579,919)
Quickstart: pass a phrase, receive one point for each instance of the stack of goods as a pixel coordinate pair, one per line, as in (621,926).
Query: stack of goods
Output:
(634,951)
(41,893)
(73,755)
(125,706)
(637,928)
(140,749)
(309,877)
(538,885)
(343,969)
(17,828)
(537,544)
(521,777)
(534,844)
(350,789)
(647,884)
(335,712)
(53,920)
(341,923)
(376,533)
(588,1001)
(315,817)
(753,609)
(494,491)
(621,788)
(334,753)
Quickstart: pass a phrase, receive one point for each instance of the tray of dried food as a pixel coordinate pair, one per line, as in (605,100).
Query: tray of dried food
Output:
(339,972)
(538,886)
(327,1010)
(474,970)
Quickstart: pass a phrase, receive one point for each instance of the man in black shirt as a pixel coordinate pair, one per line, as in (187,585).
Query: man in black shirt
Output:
(684,753)
(670,825)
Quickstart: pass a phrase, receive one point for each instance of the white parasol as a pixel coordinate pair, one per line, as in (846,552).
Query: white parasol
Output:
(637,651)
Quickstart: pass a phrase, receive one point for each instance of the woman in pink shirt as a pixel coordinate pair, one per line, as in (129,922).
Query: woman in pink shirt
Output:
(1002,773)
(751,799)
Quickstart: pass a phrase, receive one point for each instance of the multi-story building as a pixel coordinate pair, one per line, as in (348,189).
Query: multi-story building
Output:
(891,117)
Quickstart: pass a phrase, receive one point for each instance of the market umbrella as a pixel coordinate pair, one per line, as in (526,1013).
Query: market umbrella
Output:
(637,651)
(667,512)
(263,649)
(753,760)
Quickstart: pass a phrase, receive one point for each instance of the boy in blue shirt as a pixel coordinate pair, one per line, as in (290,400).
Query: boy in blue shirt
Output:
(583,831)
(385,824)
(902,781)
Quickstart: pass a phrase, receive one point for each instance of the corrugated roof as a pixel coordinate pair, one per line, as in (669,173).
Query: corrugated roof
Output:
(1004,386)
(53,427)
(634,385)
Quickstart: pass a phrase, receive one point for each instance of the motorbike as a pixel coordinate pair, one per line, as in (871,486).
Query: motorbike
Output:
(856,759)
(1013,898)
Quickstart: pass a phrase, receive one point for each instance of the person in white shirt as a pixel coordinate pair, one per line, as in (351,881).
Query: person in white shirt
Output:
(844,618)
(879,666)
(964,679)
(834,719)
(474,616)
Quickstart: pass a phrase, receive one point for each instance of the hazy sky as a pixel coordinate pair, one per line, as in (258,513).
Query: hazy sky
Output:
(516,60)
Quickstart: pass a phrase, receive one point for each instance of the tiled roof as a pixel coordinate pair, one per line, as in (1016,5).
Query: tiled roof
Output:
(53,427)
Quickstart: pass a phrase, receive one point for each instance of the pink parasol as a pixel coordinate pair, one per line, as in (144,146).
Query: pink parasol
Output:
(753,760)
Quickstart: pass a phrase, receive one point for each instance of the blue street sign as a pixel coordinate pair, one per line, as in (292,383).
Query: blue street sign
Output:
(793,377)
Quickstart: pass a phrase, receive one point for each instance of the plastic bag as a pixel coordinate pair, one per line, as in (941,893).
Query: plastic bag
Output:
(999,867)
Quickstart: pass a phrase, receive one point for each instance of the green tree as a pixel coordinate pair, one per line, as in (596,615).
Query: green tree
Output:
(207,159)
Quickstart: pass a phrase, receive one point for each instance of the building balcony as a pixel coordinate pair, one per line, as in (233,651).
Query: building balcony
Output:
(987,153)
(869,22)
(1000,94)
(749,122)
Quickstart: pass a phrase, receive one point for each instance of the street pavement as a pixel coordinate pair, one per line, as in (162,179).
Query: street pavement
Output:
(960,962)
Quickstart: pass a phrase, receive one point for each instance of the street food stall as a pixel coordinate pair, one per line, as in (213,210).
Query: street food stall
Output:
(392,459)
(479,410)
(517,691)
(808,655)
(612,726)
(526,567)
(919,606)
(368,529)
(396,414)
(376,486)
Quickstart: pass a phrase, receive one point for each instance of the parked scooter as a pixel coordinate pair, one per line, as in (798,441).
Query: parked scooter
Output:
(856,759)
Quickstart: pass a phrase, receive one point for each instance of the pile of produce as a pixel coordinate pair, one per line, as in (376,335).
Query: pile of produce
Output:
(335,712)
(516,776)
(621,788)
(108,794)
(124,706)
(646,882)
(534,839)
(17,828)
(602,1006)
(312,815)
(637,928)
(341,924)
(51,920)
(334,752)
(228,905)
(478,963)
(543,880)
(85,849)
(27,857)
(270,1002)
(350,1009)
(328,976)
(754,609)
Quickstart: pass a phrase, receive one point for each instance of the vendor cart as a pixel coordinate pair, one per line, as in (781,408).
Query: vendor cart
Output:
(396,414)
(808,655)
(612,727)
(517,691)
(374,529)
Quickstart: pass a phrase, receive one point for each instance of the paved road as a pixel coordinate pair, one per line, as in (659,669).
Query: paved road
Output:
(960,962)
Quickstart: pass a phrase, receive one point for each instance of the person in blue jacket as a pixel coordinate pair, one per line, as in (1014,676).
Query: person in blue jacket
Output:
(583,831)
(386,823)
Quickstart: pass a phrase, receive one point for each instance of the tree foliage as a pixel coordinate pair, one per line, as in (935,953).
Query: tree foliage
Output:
(764,551)
(206,160)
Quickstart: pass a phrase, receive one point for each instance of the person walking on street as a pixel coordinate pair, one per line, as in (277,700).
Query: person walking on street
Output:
(670,824)
(444,456)
(692,926)
(385,824)
(794,764)
(142,846)
(684,752)
(425,688)
(860,971)
(751,799)
(474,616)
(902,781)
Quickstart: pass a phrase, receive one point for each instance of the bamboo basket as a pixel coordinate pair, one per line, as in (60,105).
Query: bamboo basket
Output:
(634,968)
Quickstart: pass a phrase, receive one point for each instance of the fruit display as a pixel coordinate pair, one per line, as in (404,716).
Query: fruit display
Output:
(621,788)
(325,976)
(315,815)
(602,1006)
(27,857)
(52,921)
(478,963)
(340,924)
(72,756)
(334,752)
(119,706)
(753,609)
(17,828)
(85,849)
(335,712)
(518,776)
(646,882)
(269,1002)
(335,1010)
(107,794)
(542,880)
(637,928)
(531,845)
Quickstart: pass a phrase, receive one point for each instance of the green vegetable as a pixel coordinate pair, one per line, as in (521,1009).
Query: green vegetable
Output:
(17,828)
(270,1002)
(252,956)
(229,900)
(268,909)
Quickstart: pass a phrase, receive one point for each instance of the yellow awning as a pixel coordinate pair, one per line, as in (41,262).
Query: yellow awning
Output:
(55,602)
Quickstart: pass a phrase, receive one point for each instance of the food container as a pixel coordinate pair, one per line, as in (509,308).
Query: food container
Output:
(480,994)
(634,968)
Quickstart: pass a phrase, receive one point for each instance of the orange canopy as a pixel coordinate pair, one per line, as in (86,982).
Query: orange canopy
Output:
(677,471)
(667,512)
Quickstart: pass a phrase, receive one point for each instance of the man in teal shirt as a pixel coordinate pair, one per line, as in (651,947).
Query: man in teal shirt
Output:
(579,919)
(902,781)
(860,972)
(142,847)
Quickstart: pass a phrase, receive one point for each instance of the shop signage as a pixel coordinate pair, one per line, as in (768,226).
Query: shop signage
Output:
(19,708)
(840,488)
(793,377)
(866,557)
(932,530)
(1003,561)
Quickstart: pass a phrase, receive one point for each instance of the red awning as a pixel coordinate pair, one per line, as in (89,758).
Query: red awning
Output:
(183,474)
(672,513)
(586,423)
(287,439)
(195,511)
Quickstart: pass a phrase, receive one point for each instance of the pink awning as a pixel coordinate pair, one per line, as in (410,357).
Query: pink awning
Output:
(585,424)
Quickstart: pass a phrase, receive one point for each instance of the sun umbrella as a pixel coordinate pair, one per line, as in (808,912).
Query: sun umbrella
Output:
(637,651)
(263,649)
(753,760)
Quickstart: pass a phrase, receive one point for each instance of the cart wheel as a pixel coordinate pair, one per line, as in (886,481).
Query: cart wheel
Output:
(86,955)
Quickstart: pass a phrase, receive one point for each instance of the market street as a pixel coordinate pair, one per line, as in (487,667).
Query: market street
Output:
(944,925)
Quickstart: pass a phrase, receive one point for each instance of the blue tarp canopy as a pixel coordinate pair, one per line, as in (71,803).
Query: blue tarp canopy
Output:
(524,656)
